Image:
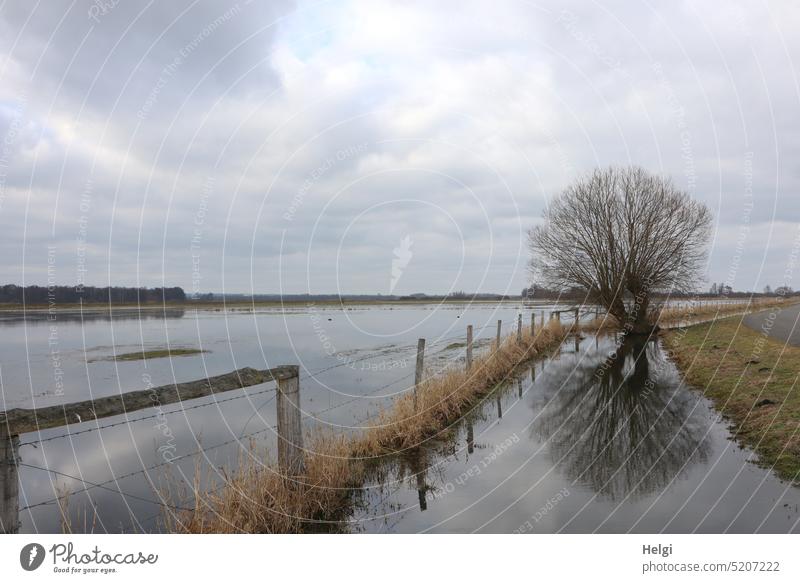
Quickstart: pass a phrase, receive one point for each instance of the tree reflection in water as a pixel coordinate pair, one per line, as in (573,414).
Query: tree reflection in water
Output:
(621,424)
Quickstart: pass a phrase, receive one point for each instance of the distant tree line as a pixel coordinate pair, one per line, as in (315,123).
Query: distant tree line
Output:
(716,290)
(63,294)
(537,292)
(722,289)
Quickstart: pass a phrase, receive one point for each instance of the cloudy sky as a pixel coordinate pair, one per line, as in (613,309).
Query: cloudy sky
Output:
(306,146)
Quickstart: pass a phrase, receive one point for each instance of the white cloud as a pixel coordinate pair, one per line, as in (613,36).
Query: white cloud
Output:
(325,110)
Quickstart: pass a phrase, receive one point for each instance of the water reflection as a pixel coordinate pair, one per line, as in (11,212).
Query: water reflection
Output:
(620,423)
(88,314)
(635,449)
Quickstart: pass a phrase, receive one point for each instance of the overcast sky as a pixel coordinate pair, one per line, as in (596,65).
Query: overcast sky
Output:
(313,146)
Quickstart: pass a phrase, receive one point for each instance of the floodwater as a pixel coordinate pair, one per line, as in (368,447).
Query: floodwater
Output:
(353,361)
(604,438)
(561,452)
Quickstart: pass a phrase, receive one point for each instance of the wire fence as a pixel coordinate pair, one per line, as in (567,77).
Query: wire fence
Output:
(112,484)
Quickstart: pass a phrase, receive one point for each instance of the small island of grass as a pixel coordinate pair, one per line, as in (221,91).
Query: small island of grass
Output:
(157,353)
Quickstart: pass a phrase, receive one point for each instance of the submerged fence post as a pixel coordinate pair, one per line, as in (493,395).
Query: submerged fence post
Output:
(519,328)
(469,347)
(291,457)
(497,343)
(419,469)
(418,372)
(9,484)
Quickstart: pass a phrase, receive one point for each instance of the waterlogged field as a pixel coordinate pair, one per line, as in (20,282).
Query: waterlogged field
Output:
(548,452)
(566,448)
(353,362)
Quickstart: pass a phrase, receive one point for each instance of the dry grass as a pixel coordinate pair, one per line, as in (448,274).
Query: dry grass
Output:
(256,498)
(442,400)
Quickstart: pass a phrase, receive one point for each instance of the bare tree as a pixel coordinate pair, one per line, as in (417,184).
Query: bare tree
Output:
(621,234)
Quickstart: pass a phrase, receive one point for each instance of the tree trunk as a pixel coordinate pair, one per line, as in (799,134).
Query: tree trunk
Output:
(639,319)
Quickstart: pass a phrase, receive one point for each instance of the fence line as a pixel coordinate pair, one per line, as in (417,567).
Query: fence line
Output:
(289,427)
(127,421)
(154,466)
(93,485)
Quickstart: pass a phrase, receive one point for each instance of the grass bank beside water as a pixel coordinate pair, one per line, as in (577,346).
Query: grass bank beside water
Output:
(752,380)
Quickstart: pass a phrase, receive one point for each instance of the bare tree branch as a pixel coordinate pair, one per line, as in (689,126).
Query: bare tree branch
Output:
(621,234)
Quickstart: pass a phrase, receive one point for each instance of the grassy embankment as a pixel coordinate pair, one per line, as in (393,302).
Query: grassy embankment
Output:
(752,381)
(257,498)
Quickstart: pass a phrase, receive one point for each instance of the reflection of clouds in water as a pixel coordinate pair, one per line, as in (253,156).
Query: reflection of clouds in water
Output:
(91,314)
(621,424)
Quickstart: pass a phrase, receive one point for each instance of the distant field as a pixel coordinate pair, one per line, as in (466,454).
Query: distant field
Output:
(245,304)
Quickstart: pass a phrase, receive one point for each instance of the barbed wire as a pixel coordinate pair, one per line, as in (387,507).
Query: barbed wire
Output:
(92,485)
(36,442)
(89,485)
(126,421)
(144,470)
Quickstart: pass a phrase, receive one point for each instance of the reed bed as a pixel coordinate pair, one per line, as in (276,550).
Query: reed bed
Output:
(255,498)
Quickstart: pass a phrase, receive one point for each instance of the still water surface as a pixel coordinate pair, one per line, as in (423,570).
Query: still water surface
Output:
(558,450)
(593,440)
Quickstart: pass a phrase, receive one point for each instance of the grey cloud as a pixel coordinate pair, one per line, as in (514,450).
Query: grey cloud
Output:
(451,103)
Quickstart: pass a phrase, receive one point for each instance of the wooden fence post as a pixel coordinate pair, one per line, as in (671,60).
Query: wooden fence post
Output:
(291,457)
(469,347)
(533,324)
(418,372)
(9,484)
(497,343)
(577,317)
(519,328)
